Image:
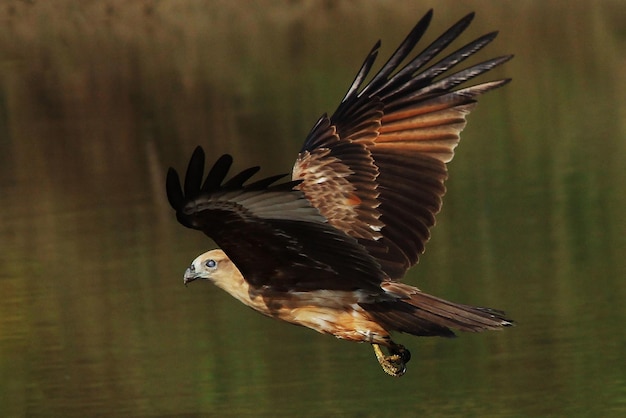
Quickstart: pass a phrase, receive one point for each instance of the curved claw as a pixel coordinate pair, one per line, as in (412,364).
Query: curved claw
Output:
(393,364)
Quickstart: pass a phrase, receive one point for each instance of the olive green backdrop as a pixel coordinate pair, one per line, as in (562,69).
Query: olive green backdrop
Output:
(98,98)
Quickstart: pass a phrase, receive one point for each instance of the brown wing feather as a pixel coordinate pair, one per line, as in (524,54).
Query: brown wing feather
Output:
(271,232)
(389,141)
(339,178)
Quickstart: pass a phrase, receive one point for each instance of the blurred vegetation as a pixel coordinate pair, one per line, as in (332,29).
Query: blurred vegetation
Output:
(98,98)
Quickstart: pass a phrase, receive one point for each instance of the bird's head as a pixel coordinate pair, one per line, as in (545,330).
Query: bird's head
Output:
(215,266)
(205,266)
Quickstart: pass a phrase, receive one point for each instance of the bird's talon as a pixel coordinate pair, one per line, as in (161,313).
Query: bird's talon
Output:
(393,364)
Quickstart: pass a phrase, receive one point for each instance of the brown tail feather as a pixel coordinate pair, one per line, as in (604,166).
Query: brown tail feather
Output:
(426,315)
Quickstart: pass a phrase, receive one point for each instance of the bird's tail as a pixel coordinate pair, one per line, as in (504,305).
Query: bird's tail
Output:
(419,313)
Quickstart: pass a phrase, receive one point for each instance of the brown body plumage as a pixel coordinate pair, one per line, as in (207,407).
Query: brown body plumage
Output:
(327,249)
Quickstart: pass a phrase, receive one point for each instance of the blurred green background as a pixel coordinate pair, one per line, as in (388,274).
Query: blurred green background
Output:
(98,98)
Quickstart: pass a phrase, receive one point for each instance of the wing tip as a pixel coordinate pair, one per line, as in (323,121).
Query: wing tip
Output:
(175,195)
(180,193)
(195,172)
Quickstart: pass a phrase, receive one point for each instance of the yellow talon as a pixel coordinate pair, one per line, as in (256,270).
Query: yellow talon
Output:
(393,364)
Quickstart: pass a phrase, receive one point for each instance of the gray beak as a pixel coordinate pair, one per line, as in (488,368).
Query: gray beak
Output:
(190,275)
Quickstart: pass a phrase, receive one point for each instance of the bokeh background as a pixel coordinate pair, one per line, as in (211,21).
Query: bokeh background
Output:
(99,98)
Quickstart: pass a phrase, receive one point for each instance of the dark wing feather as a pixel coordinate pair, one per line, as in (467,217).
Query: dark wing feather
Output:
(376,168)
(271,232)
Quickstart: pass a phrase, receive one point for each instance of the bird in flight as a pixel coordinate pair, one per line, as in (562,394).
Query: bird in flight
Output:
(327,249)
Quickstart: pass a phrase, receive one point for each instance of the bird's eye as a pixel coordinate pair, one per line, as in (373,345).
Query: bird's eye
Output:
(210,264)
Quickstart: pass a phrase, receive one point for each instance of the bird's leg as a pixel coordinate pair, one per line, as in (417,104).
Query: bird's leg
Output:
(393,364)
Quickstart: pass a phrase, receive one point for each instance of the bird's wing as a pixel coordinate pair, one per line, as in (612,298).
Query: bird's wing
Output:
(271,232)
(376,168)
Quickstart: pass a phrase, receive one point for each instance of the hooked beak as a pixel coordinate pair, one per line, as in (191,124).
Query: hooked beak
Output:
(190,275)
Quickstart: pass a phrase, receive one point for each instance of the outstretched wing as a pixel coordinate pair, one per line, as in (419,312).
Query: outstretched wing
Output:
(271,232)
(376,168)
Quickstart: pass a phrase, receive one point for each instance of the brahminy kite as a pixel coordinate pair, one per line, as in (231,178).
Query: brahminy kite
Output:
(327,249)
